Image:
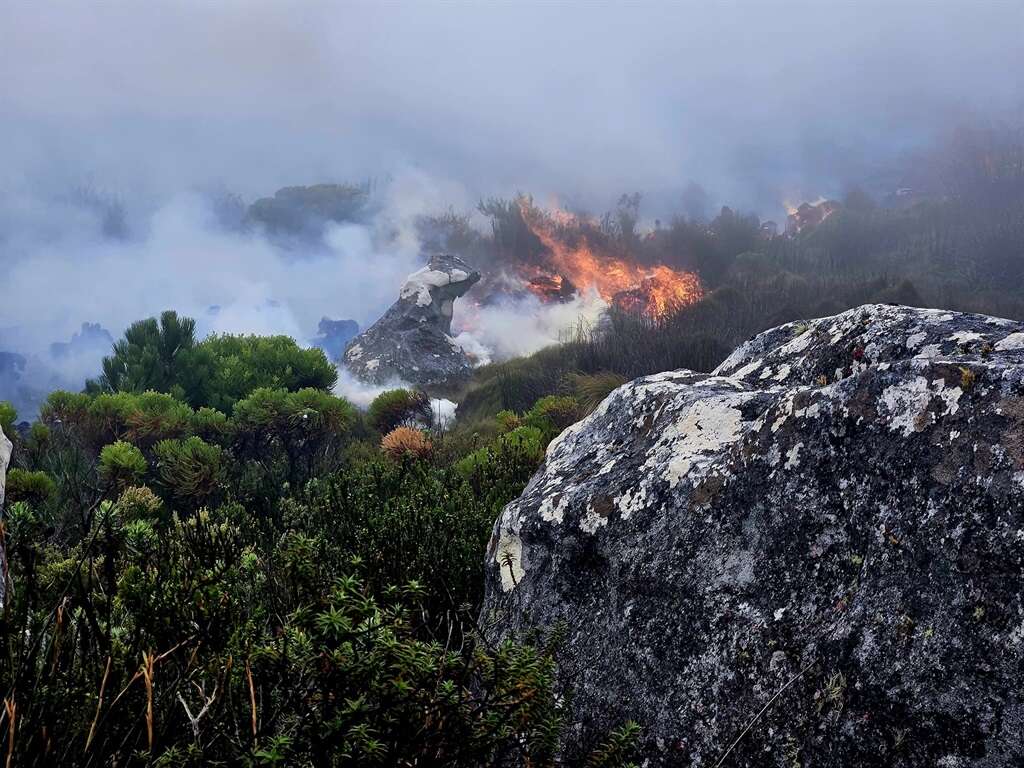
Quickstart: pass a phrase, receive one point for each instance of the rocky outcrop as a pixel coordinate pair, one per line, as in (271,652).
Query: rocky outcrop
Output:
(412,342)
(5,459)
(334,335)
(813,556)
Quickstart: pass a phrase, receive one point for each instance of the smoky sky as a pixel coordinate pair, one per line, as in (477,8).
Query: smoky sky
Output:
(153,105)
(584,99)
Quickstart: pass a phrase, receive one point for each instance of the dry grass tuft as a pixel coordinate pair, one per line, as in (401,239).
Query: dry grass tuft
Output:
(406,441)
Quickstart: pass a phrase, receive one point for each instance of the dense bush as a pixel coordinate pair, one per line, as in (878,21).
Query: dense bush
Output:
(286,595)
(205,645)
(399,408)
(121,464)
(165,356)
(227,368)
(191,471)
(35,488)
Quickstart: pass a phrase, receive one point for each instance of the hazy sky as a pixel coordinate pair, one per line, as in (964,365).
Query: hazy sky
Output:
(584,99)
(759,102)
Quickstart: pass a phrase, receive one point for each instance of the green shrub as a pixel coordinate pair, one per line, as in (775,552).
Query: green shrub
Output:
(139,503)
(64,408)
(164,356)
(8,417)
(592,389)
(33,487)
(190,470)
(121,465)
(225,369)
(558,411)
(524,446)
(398,408)
(211,425)
(507,421)
(154,416)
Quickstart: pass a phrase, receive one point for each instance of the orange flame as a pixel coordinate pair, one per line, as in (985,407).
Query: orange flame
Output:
(652,291)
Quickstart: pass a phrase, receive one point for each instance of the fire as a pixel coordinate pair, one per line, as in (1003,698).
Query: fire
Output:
(809,215)
(573,264)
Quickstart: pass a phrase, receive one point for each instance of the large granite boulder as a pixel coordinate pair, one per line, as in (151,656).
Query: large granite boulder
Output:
(813,556)
(412,342)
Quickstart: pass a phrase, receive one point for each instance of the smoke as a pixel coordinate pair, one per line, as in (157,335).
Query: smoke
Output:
(515,326)
(120,118)
(183,258)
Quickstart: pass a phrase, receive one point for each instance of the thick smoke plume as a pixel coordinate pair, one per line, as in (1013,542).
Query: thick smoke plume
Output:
(134,135)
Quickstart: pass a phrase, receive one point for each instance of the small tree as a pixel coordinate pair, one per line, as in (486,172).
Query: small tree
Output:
(149,355)
(399,408)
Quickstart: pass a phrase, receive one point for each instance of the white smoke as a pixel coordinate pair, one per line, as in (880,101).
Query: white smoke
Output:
(178,254)
(517,326)
(360,393)
(62,270)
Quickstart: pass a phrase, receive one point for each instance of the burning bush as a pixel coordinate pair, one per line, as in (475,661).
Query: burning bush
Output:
(583,255)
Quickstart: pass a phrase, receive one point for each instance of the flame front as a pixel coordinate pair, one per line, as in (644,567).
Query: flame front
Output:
(573,264)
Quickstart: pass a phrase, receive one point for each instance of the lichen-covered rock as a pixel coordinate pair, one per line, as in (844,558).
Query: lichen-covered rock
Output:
(813,556)
(412,342)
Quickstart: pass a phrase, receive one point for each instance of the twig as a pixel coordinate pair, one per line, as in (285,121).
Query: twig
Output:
(764,709)
(147,673)
(252,697)
(99,706)
(10,707)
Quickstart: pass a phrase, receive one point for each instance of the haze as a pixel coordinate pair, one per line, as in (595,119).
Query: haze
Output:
(155,103)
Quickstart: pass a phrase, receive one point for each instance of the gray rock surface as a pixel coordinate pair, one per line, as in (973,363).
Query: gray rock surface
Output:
(813,556)
(412,342)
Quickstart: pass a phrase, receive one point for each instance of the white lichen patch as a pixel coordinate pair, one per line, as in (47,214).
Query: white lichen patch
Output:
(793,457)
(929,352)
(904,402)
(915,340)
(747,369)
(950,396)
(509,560)
(552,511)
(631,501)
(783,373)
(1011,342)
(797,345)
(965,337)
(907,403)
(372,365)
(355,352)
(592,520)
(704,428)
